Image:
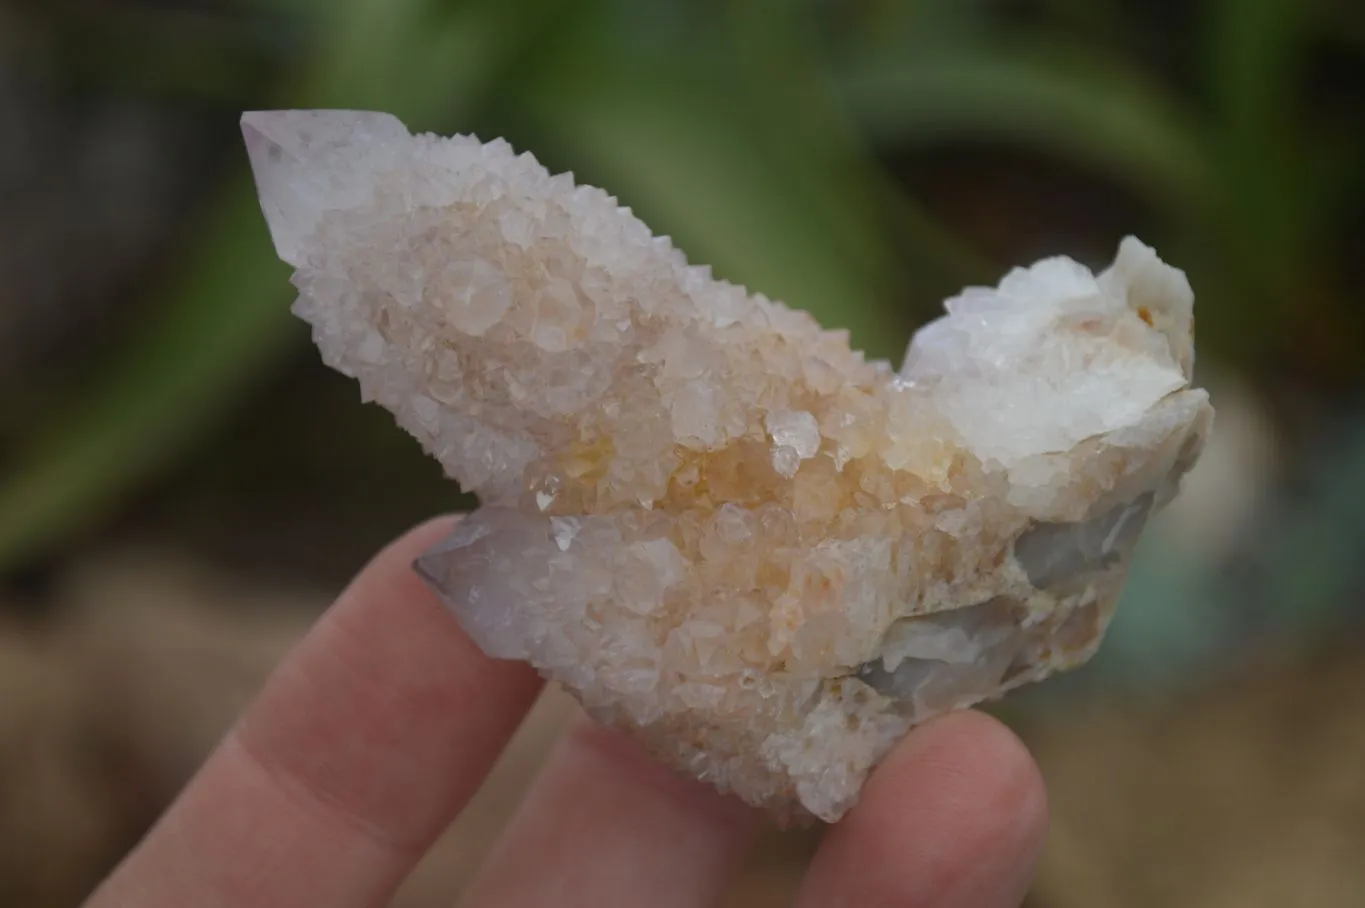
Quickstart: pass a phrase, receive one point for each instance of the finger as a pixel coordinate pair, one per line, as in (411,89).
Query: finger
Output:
(363,746)
(955,816)
(605,825)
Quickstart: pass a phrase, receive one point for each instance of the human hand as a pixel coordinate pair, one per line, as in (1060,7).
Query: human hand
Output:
(375,732)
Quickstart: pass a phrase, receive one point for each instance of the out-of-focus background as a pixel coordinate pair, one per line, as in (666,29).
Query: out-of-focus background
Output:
(183,485)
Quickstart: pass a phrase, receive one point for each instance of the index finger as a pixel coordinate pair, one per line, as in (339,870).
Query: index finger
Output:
(367,741)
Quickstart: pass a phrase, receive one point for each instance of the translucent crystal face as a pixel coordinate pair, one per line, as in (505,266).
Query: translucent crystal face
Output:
(711,520)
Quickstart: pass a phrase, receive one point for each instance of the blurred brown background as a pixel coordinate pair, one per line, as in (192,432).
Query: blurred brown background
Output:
(183,486)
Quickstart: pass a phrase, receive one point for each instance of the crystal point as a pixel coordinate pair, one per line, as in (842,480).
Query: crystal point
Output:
(713,522)
(307,162)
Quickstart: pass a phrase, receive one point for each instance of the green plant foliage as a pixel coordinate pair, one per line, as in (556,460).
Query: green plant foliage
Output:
(172,383)
(692,165)
(225,322)
(1082,108)
(752,132)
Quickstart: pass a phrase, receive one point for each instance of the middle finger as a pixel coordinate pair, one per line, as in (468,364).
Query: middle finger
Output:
(606,825)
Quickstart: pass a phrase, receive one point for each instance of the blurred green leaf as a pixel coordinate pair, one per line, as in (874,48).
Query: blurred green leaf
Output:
(1269,217)
(1078,107)
(226,322)
(797,125)
(817,148)
(675,136)
(906,26)
(1254,48)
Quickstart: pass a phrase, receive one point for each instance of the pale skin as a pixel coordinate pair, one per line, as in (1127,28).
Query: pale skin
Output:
(374,733)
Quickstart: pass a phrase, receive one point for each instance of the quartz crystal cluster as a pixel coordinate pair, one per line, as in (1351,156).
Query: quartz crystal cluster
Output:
(708,518)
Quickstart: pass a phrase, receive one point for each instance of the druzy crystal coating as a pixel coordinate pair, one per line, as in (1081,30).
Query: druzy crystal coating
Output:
(708,518)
